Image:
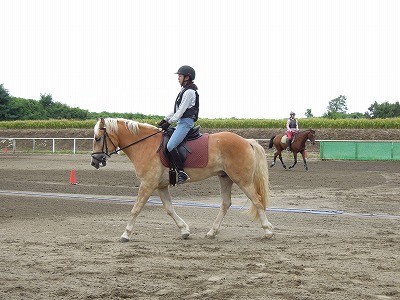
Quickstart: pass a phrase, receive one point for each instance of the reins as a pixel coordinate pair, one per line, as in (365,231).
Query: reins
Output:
(131,144)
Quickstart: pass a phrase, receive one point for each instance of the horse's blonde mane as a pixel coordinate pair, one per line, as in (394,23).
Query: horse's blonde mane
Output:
(112,125)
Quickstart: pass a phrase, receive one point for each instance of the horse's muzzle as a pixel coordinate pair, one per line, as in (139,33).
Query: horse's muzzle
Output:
(99,160)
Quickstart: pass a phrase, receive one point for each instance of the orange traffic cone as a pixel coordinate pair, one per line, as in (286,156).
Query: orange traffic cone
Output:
(6,150)
(72,177)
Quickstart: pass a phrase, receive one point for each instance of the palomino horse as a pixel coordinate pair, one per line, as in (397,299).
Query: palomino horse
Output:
(232,159)
(298,145)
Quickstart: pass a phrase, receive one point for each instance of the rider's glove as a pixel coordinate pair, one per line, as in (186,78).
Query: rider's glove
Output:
(161,123)
(165,126)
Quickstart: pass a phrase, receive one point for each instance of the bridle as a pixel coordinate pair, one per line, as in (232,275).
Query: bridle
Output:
(312,133)
(105,153)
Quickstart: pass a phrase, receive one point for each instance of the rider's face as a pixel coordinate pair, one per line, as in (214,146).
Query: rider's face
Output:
(181,78)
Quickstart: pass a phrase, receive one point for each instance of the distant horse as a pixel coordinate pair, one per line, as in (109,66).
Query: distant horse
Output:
(298,145)
(232,159)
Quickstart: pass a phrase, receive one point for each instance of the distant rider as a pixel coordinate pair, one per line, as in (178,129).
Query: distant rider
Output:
(185,113)
(292,127)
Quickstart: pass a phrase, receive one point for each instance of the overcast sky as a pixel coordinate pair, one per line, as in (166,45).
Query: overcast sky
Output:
(253,59)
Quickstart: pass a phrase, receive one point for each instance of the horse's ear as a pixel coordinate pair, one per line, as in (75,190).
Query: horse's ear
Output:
(101,123)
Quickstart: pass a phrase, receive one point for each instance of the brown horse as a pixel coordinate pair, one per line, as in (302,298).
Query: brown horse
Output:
(232,159)
(298,145)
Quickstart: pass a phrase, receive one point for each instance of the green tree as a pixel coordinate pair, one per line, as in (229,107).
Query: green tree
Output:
(384,110)
(4,103)
(46,100)
(337,108)
(308,113)
(26,109)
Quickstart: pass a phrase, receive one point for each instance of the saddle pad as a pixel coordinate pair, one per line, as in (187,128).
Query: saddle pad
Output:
(284,139)
(198,155)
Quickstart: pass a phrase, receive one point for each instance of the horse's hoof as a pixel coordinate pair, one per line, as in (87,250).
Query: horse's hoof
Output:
(269,234)
(185,236)
(271,165)
(123,240)
(211,234)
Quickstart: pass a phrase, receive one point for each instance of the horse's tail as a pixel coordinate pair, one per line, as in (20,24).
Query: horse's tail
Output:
(261,180)
(271,142)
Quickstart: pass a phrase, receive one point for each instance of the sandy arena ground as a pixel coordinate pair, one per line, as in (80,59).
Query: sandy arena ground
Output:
(337,234)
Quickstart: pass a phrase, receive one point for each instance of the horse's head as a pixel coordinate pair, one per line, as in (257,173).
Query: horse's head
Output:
(311,136)
(103,144)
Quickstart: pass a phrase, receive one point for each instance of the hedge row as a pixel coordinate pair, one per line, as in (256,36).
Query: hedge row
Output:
(315,123)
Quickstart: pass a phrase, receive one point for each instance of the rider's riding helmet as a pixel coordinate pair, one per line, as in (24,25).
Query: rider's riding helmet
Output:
(187,71)
(292,113)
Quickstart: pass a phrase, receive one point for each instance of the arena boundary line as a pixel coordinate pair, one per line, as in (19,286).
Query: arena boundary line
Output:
(156,201)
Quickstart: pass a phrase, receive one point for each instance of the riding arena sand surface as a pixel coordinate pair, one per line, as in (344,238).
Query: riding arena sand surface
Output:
(337,234)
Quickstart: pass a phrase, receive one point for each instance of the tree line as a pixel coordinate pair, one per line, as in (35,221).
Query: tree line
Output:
(337,109)
(14,108)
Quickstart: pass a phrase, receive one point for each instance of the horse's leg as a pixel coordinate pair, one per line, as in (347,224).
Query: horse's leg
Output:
(274,160)
(250,191)
(226,188)
(142,197)
(295,159)
(277,154)
(166,200)
(281,159)
(303,154)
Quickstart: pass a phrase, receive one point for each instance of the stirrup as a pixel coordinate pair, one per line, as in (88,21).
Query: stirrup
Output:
(182,177)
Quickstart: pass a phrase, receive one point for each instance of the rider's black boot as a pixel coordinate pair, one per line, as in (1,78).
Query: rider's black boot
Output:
(289,142)
(182,176)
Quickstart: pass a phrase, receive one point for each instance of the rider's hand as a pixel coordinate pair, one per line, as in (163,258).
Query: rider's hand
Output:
(165,126)
(161,123)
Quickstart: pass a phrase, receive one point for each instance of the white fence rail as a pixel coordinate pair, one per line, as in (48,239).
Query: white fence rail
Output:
(58,144)
(14,144)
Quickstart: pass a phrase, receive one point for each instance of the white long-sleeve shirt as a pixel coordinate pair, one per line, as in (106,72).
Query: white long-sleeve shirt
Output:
(188,100)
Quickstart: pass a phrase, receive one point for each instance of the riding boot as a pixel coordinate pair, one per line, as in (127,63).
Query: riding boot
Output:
(182,176)
(289,142)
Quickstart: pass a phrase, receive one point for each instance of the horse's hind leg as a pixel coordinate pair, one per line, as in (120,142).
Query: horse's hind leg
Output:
(166,200)
(255,198)
(277,154)
(281,159)
(226,189)
(274,160)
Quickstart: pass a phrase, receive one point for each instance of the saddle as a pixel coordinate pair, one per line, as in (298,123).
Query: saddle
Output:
(193,150)
(284,139)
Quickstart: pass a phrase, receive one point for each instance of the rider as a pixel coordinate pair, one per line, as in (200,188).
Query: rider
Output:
(185,113)
(292,126)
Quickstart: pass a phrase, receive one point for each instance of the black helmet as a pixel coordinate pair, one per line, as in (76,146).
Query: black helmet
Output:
(292,113)
(187,71)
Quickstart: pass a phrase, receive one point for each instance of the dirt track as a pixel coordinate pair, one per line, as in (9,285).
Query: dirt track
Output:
(54,246)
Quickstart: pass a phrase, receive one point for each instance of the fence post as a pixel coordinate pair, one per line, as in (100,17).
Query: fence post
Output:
(74,144)
(33,145)
(54,145)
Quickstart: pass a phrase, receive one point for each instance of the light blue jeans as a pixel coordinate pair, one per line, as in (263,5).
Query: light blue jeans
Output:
(182,128)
